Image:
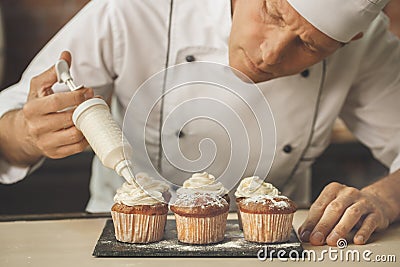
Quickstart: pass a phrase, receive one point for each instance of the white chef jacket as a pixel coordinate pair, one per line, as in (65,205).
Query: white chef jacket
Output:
(118,44)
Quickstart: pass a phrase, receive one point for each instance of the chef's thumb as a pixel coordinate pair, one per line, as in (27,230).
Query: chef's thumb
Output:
(66,55)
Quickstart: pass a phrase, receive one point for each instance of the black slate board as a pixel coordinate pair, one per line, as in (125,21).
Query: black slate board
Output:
(232,246)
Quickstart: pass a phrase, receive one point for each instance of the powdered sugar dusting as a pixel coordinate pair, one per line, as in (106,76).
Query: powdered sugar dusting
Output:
(196,199)
(275,201)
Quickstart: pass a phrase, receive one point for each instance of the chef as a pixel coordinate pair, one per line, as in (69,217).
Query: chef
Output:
(333,58)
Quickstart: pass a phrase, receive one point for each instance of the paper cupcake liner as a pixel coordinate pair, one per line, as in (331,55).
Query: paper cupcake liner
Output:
(239,219)
(266,228)
(138,228)
(206,230)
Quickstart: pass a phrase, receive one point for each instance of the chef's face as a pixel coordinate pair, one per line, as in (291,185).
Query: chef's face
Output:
(269,39)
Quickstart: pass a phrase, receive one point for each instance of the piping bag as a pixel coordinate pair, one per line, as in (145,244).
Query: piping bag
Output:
(94,120)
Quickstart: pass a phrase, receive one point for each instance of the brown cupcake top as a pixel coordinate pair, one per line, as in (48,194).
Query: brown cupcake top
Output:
(263,204)
(155,209)
(199,205)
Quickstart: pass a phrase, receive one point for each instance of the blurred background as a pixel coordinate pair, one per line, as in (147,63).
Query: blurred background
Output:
(26,26)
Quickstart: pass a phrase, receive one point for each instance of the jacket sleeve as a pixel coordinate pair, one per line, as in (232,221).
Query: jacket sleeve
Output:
(91,38)
(371,110)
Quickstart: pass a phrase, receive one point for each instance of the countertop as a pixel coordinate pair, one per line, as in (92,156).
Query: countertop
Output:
(70,242)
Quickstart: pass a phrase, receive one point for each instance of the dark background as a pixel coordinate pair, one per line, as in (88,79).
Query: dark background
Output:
(29,24)
(62,185)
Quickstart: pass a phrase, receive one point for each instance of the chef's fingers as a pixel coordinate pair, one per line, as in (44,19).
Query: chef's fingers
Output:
(67,150)
(331,216)
(369,225)
(70,136)
(41,84)
(317,209)
(60,120)
(360,222)
(64,137)
(351,216)
(66,55)
(52,122)
(57,102)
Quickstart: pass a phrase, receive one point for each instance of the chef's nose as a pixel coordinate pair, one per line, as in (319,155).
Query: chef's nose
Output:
(275,48)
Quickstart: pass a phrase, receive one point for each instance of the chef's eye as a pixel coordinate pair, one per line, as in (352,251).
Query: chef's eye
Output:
(309,46)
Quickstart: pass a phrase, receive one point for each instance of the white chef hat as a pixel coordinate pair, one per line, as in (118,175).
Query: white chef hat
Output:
(339,19)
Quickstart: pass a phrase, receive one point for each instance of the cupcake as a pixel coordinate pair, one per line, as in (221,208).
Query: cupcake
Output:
(253,186)
(204,183)
(140,210)
(266,217)
(148,183)
(200,217)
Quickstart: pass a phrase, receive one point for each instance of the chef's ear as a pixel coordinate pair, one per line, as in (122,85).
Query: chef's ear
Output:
(357,36)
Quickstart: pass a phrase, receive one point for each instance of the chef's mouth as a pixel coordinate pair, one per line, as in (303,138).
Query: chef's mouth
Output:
(255,70)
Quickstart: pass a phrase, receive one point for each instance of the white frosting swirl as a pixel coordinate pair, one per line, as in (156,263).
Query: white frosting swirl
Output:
(254,186)
(203,183)
(144,191)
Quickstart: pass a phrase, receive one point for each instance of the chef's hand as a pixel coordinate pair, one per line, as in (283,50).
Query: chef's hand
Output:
(50,131)
(338,209)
